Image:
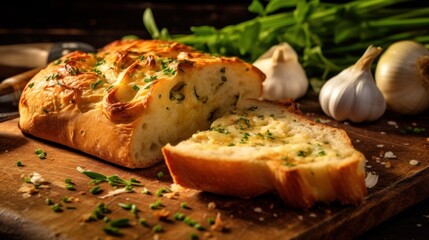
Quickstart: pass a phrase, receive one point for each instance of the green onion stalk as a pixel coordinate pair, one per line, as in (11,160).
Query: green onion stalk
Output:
(327,36)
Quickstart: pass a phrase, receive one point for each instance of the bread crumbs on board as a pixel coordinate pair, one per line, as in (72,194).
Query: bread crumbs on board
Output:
(392,123)
(389,154)
(257,209)
(414,162)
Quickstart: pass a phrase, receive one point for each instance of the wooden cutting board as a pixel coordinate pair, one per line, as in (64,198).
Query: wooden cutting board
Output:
(400,186)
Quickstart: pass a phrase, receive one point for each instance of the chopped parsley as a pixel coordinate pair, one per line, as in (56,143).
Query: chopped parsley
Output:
(100,62)
(95,190)
(156,205)
(161,191)
(97,71)
(160,174)
(49,201)
(150,78)
(57,207)
(242,123)
(157,228)
(220,129)
(40,153)
(143,222)
(113,180)
(245,137)
(302,153)
(135,87)
(53,76)
(94,85)
(31,85)
(184,205)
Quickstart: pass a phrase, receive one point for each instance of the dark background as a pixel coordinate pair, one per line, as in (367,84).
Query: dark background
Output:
(100,22)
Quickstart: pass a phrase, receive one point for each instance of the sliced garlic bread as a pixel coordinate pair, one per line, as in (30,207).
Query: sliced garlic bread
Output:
(262,147)
(128,100)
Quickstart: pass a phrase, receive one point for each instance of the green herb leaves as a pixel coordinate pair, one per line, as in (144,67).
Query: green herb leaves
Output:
(40,153)
(327,36)
(113,180)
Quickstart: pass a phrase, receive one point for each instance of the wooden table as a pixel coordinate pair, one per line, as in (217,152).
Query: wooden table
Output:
(400,186)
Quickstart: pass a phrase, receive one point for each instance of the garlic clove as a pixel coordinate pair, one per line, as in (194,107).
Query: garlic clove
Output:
(352,94)
(285,77)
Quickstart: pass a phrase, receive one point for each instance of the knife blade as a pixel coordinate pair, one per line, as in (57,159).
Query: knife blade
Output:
(33,55)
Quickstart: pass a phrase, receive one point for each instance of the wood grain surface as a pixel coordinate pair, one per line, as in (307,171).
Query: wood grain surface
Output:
(400,186)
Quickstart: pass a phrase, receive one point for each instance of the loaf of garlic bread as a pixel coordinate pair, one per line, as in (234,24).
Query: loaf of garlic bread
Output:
(262,147)
(124,103)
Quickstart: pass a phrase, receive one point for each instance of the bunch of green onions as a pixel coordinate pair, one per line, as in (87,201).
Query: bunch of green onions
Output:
(327,36)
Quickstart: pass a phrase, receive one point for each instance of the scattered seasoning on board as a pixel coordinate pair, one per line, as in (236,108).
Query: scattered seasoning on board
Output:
(414,162)
(40,153)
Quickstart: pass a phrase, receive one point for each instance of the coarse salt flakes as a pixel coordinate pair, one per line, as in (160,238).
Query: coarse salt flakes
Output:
(380,145)
(300,217)
(371,179)
(383,133)
(346,123)
(392,123)
(389,154)
(211,205)
(418,225)
(406,144)
(414,162)
(275,215)
(313,215)
(257,209)
(261,219)
(357,140)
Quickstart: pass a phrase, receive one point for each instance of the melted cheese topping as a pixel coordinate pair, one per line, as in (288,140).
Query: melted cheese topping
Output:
(286,138)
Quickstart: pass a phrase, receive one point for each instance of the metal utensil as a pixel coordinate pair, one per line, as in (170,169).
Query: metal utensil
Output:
(8,116)
(34,56)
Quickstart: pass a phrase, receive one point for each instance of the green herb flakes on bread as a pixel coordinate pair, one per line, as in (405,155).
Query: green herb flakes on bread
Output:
(262,147)
(124,103)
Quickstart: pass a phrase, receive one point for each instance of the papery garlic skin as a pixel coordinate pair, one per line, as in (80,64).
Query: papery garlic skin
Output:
(285,77)
(352,94)
(402,75)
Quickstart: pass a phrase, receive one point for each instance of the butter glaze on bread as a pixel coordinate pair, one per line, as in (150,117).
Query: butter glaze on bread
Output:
(124,103)
(263,147)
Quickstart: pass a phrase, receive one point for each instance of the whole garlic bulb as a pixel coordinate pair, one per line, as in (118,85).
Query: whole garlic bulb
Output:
(352,94)
(402,75)
(285,77)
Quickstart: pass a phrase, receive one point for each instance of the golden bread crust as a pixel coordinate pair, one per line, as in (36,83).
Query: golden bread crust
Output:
(125,102)
(253,163)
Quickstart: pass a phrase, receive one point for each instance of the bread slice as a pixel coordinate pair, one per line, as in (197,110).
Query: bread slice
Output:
(262,147)
(128,100)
